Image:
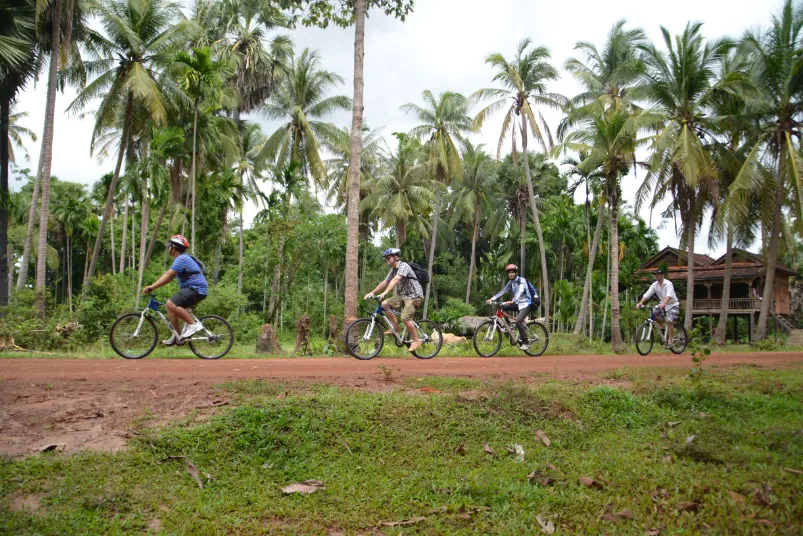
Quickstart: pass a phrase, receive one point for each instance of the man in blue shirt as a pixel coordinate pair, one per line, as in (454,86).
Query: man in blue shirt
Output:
(193,288)
(521,302)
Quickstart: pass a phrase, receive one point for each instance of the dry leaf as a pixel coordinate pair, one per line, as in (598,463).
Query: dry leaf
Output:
(737,497)
(281,396)
(672,424)
(405,522)
(702,415)
(690,439)
(440,510)
(511,450)
(793,471)
(461,450)
(540,434)
(688,506)
(193,471)
(429,390)
(667,458)
(626,514)
(590,482)
(463,513)
(305,488)
(610,517)
(763,496)
(766,522)
(552,467)
(547,527)
(488,450)
(603,479)
(652,532)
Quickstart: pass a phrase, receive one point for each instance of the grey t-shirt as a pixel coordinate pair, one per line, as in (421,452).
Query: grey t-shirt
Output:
(409,287)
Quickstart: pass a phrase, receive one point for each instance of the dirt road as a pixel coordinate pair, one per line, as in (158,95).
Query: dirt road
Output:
(96,403)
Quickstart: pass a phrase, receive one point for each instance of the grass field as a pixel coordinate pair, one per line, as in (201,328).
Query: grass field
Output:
(644,451)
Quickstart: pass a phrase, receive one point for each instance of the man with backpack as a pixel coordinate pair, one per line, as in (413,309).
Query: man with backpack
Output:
(193,288)
(410,295)
(525,298)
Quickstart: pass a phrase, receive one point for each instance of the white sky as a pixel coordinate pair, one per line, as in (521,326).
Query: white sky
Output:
(442,46)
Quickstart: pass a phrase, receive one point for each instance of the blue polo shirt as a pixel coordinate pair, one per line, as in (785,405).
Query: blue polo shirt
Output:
(189,275)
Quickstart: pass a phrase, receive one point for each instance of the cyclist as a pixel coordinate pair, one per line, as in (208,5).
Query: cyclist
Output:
(665,290)
(520,301)
(193,288)
(409,297)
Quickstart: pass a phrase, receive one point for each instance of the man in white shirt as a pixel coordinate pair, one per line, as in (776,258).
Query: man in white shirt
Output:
(669,303)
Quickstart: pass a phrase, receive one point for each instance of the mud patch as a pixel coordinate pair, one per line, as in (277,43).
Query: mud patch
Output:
(26,503)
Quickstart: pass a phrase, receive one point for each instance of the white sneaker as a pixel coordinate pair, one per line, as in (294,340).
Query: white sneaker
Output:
(171,341)
(524,347)
(191,329)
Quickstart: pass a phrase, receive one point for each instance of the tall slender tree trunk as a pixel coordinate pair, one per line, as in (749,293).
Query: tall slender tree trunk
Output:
(473,251)
(607,285)
(5,274)
(111,238)
(436,216)
(47,157)
(691,228)
(240,260)
(143,235)
(219,248)
(355,154)
(722,325)
(86,264)
(592,253)
(193,179)
(112,188)
(772,253)
(69,271)
(124,238)
(25,262)
(155,235)
(523,243)
(536,219)
(325,296)
(616,332)
(273,305)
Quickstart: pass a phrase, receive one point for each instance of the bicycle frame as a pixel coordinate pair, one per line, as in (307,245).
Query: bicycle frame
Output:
(502,321)
(156,306)
(380,312)
(652,320)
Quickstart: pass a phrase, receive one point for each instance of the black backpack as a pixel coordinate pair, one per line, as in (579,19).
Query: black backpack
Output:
(420,274)
(201,265)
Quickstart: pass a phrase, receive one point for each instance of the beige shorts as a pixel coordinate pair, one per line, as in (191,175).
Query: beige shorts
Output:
(408,306)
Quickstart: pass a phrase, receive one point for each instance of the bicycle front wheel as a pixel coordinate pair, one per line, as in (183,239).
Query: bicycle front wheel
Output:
(487,339)
(431,339)
(681,340)
(644,339)
(364,338)
(215,340)
(538,337)
(132,340)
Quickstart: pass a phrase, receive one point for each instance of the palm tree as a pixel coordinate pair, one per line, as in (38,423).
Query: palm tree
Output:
(478,190)
(249,169)
(138,37)
(443,123)
(70,213)
(678,82)
(200,75)
(301,100)
(371,159)
(610,138)
(16,132)
(228,193)
(776,57)
(401,196)
(524,86)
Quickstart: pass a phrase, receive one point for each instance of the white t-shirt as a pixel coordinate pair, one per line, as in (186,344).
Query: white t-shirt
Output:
(663,291)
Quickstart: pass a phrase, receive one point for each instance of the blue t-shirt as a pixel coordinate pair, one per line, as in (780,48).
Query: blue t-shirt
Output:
(195,280)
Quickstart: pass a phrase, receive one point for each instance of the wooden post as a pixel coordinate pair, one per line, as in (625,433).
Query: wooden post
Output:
(710,320)
(750,331)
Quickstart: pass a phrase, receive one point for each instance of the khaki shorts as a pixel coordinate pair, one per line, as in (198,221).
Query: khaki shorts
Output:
(408,306)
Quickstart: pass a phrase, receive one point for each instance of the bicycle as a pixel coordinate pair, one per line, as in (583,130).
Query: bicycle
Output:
(365,337)
(134,335)
(488,336)
(644,334)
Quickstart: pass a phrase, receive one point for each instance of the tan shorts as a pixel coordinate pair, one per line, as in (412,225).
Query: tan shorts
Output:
(408,306)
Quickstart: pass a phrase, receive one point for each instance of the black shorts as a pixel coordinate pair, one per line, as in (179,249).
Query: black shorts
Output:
(187,298)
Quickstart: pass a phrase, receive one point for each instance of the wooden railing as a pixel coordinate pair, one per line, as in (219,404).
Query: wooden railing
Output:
(734,304)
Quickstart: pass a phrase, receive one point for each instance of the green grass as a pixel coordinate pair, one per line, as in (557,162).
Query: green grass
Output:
(412,453)
(559,344)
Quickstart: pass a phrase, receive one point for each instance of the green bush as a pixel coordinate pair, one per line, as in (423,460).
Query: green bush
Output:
(454,308)
(21,323)
(106,297)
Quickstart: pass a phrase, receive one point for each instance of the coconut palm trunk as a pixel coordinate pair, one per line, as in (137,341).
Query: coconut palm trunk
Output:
(112,188)
(616,332)
(355,152)
(722,325)
(592,253)
(22,277)
(143,235)
(473,251)
(124,238)
(192,172)
(690,232)
(240,260)
(69,271)
(436,216)
(155,235)
(111,239)
(772,253)
(523,243)
(5,275)
(47,156)
(536,219)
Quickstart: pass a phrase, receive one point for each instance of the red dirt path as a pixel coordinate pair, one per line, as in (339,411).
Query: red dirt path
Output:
(92,403)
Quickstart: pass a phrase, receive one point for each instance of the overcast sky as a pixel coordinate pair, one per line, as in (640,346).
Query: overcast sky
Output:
(442,46)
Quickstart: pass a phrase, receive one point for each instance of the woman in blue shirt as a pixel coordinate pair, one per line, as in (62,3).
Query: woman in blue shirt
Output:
(193,288)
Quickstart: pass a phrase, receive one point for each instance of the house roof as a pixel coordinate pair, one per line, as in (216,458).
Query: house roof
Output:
(743,265)
(673,256)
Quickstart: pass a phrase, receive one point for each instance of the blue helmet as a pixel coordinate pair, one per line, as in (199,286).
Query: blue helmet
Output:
(391,251)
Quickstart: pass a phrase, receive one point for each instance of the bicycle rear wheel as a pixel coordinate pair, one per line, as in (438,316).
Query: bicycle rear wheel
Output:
(429,333)
(215,340)
(538,337)
(681,339)
(644,339)
(487,339)
(364,338)
(127,342)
